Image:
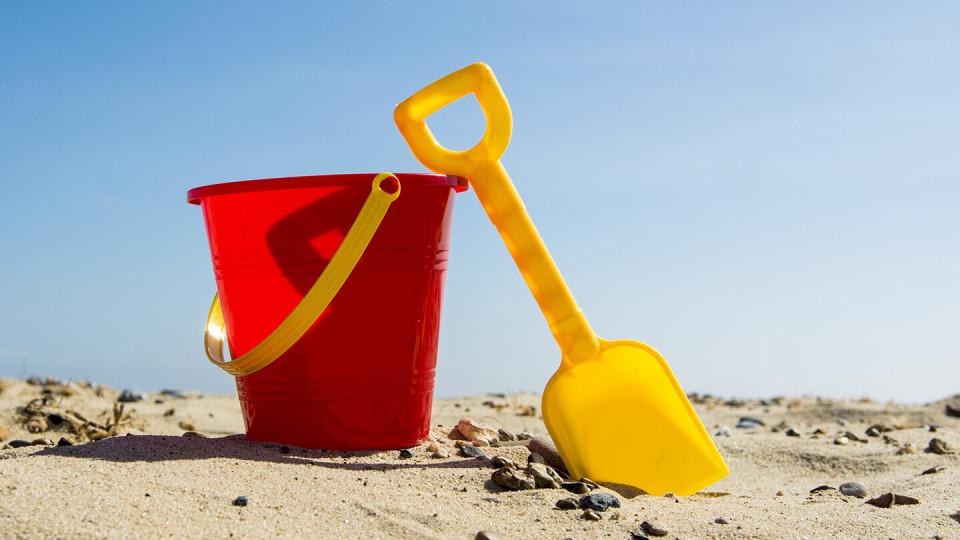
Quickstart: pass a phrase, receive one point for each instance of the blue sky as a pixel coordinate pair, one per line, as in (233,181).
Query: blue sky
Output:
(765,192)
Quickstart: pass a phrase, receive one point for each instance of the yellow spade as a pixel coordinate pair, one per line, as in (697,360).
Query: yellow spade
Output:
(614,408)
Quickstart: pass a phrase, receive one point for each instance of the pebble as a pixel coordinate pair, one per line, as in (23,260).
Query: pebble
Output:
(951,410)
(406,453)
(18,443)
(841,440)
(197,435)
(638,536)
(842,421)
(64,442)
(37,424)
(440,454)
(854,489)
(872,432)
(186,426)
(172,393)
(506,435)
(524,436)
(129,397)
(42,442)
(544,476)
(934,470)
(821,488)
(599,501)
(723,432)
(887,500)
(535,458)
(568,503)
(169,412)
(513,479)
(434,446)
(476,432)
(500,462)
(939,446)
(749,422)
(240,501)
(486,535)
(908,448)
(721,521)
(545,447)
(853,436)
(792,432)
(580,488)
(590,515)
(469,450)
(780,494)
(653,530)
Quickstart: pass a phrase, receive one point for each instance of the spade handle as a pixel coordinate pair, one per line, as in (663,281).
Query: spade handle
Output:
(481,166)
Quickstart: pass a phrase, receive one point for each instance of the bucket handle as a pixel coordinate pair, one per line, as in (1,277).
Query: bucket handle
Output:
(317,298)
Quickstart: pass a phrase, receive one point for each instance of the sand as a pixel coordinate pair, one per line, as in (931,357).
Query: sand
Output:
(157,483)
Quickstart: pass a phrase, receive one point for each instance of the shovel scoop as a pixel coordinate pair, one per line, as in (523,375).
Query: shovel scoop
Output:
(613,408)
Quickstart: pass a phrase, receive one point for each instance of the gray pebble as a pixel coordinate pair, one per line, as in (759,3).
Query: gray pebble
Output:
(469,450)
(749,422)
(653,530)
(545,447)
(240,501)
(535,458)
(720,521)
(939,446)
(524,436)
(129,397)
(406,454)
(544,476)
(513,479)
(854,489)
(18,443)
(790,432)
(568,503)
(506,435)
(579,488)
(486,535)
(599,501)
(500,462)
(64,442)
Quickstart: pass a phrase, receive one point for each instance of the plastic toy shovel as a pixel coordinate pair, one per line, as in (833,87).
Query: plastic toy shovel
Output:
(614,408)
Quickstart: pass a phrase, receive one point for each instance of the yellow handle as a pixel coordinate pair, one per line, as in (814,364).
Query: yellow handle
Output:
(317,298)
(481,165)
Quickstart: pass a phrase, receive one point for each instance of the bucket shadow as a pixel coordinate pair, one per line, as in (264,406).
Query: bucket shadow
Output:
(160,448)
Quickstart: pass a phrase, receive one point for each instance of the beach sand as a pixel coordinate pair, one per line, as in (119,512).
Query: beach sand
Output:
(158,483)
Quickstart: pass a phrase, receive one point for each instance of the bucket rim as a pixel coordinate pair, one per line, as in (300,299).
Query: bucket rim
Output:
(197,194)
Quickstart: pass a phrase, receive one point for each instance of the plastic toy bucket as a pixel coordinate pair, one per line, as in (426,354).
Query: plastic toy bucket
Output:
(362,376)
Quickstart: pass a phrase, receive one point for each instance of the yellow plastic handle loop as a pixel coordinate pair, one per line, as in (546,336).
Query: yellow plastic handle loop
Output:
(411,114)
(317,298)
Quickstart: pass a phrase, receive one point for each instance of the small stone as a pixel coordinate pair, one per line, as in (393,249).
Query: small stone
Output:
(853,489)
(37,424)
(579,488)
(506,435)
(513,479)
(434,446)
(469,450)
(535,458)
(723,432)
(872,432)
(240,501)
(790,432)
(440,454)
(907,448)
(64,442)
(545,447)
(18,443)
(842,421)
(934,470)
(653,530)
(198,435)
(568,503)
(890,440)
(821,488)
(486,535)
(599,501)
(818,432)
(853,436)
(590,515)
(939,446)
(169,412)
(878,429)
(721,521)
(780,494)
(841,440)
(952,410)
(887,500)
(749,422)
(406,453)
(187,426)
(500,462)
(478,433)
(42,442)
(524,436)
(172,393)
(526,410)
(128,396)
(544,476)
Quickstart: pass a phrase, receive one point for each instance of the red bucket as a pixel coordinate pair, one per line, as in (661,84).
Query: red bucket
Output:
(362,376)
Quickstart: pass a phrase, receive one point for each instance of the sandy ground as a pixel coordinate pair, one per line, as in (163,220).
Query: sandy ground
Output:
(158,483)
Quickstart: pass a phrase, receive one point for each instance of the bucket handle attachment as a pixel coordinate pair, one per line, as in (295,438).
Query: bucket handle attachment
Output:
(317,298)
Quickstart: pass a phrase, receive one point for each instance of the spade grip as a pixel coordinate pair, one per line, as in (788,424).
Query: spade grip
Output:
(481,165)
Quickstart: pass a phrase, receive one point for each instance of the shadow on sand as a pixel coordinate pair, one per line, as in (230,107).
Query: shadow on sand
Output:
(159,448)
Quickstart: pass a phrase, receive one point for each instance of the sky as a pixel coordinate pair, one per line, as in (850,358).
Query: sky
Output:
(765,192)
